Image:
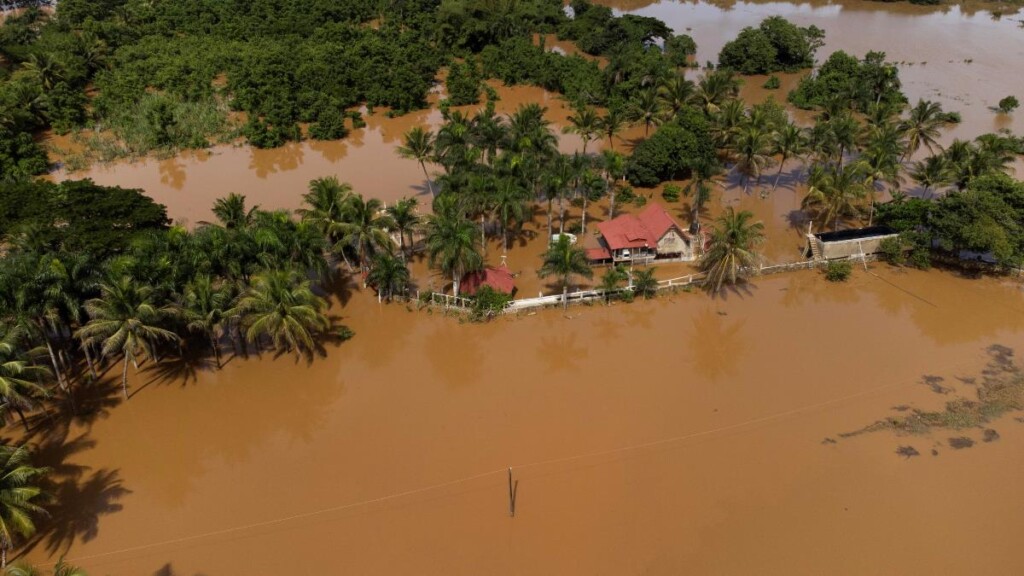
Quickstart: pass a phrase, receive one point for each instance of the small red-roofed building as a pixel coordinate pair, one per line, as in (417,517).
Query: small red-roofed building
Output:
(499,279)
(650,235)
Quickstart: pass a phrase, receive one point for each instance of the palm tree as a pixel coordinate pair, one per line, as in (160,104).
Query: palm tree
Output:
(732,253)
(699,189)
(645,284)
(281,305)
(365,229)
(675,94)
(510,205)
(204,306)
(612,124)
(405,220)
(231,212)
(453,245)
(389,275)
(921,128)
(614,165)
(326,201)
(844,129)
(645,109)
(18,497)
(19,378)
(879,164)
(931,173)
(716,87)
(835,192)
(419,146)
(124,320)
(790,141)
(61,568)
(565,260)
(753,154)
(585,123)
(611,280)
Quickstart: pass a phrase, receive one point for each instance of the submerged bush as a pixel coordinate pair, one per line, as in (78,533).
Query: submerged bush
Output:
(1008,104)
(838,270)
(773,83)
(487,303)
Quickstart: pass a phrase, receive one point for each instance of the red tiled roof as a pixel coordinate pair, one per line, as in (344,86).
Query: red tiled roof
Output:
(499,279)
(644,229)
(599,253)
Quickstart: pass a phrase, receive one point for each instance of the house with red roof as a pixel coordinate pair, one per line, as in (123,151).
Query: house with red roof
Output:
(650,235)
(499,279)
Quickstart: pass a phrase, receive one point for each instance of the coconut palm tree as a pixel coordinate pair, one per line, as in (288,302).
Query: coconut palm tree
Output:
(388,275)
(645,109)
(931,173)
(611,280)
(510,206)
(281,305)
(699,189)
(753,154)
(61,568)
(614,165)
(789,141)
(585,123)
(365,228)
(675,93)
(612,124)
(592,186)
(732,253)
(453,245)
(835,192)
(419,145)
(325,205)
(232,213)
(716,87)
(844,130)
(204,308)
(645,284)
(565,260)
(20,379)
(125,320)
(19,497)
(921,128)
(405,220)
(488,132)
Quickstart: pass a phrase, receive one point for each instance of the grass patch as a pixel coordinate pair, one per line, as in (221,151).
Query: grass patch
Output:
(1000,391)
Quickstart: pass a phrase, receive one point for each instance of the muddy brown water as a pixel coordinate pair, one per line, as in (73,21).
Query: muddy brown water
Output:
(272,464)
(682,435)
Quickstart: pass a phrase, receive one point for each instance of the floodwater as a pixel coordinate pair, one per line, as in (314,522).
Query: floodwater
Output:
(681,435)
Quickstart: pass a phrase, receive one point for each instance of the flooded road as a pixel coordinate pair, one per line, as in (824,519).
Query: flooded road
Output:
(683,435)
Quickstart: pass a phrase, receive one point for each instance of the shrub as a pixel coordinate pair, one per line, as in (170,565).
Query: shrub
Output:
(838,270)
(645,284)
(488,303)
(861,83)
(892,251)
(330,126)
(777,44)
(773,83)
(671,193)
(463,84)
(1008,104)
(679,48)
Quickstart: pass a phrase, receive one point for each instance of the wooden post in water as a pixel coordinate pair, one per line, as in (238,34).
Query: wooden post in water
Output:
(511,495)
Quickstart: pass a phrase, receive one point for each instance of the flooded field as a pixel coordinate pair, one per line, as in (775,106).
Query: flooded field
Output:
(682,435)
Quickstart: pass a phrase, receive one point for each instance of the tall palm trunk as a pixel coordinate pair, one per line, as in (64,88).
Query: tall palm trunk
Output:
(549,218)
(778,175)
(430,185)
(565,295)
(89,361)
(455,283)
(583,217)
(561,214)
(53,360)
(216,347)
(483,235)
(124,377)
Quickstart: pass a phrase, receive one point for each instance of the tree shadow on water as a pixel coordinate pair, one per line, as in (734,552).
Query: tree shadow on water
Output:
(168,570)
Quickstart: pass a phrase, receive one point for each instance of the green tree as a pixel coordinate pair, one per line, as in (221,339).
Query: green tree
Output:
(753,154)
(612,124)
(565,260)
(20,379)
(645,109)
(124,320)
(405,220)
(931,173)
(232,212)
(732,252)
(611,280)
(281,306)
(1008,104)
(511,207)
(388,275)
(325,204)
(204,307)
(419,145)
(19,497)
(365,229)
(645,284)
(835,193)
(789,141)
(585,123)
(453,245)
(921,128)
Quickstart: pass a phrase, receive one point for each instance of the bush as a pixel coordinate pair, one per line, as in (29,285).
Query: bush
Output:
(892,251)
(860,83)
(463,84)
(773,83)
(1008,104)
(330,126)
(488,303)
(679,48)
(671,193)
(838,270)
